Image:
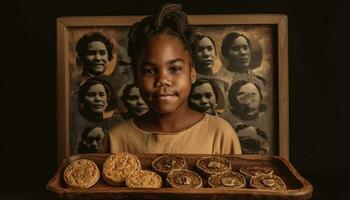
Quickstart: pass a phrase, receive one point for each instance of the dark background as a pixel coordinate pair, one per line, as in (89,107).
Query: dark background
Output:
(319,70)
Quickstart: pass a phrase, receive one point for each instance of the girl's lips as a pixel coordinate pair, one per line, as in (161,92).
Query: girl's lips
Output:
(165,97)
(164,93)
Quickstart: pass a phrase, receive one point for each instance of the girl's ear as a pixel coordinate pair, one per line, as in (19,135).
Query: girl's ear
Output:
(193,74)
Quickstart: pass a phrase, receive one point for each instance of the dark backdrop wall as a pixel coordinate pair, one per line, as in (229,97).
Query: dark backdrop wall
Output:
(319,70)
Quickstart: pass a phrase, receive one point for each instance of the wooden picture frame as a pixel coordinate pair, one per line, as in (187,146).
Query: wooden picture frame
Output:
(268,40)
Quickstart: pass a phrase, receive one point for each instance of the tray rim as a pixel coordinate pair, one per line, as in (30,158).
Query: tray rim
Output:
(305,191)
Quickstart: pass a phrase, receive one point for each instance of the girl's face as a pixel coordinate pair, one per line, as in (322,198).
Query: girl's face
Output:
(249,97)
(96,58)
(135,103)
(203,98)
(165,74)
(96,98)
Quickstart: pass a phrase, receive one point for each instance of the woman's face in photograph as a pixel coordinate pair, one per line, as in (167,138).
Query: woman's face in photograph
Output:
(96,98)
(239,53)
(206,54)
(94,137)
(203,98)
(135,103)
(249,97)
(96,58)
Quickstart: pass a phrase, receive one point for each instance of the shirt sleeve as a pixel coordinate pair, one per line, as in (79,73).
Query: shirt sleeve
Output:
(227,140)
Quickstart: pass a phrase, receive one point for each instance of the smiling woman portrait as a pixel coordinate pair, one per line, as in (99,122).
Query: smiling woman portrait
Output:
(94,52)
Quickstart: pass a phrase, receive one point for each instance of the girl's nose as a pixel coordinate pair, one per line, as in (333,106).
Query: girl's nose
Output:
(163,80)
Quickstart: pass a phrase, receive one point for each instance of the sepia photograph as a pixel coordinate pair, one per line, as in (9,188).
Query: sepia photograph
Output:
(241,76)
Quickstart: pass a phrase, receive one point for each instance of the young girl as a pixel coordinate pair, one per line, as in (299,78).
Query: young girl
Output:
(162,49)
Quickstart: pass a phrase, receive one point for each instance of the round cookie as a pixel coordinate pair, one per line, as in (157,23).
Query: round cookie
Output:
(118,166)
(183,178)
(267,182)
(248,172)
(165,164)
(227,180)
(81,173)
(144,179)
(213,165)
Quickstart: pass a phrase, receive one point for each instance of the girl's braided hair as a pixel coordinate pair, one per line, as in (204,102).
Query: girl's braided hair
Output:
(171,20)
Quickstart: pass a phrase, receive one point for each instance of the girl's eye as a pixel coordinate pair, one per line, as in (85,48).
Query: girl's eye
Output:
(148,71)
(175,68)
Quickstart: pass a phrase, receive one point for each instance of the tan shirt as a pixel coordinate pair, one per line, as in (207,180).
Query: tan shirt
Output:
(211,135)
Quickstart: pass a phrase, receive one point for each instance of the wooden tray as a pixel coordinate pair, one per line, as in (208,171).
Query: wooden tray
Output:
(297,187)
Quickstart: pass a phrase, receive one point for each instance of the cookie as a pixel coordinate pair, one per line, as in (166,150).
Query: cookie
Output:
(248,172)
(144,179)
(267,182)
(213,165)
(165,164)
(227,180)
(118,166)
(81,173)
(183,178)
